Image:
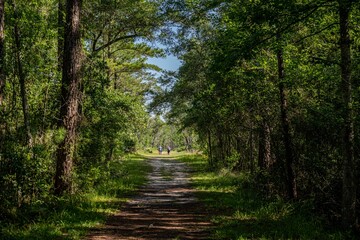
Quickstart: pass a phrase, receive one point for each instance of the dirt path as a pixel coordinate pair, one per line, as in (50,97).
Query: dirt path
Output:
(164,209)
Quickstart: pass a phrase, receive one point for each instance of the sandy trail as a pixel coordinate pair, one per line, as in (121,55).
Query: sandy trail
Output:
(164,209)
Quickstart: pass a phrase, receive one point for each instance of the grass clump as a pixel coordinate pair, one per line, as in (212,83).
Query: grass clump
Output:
(70,217)
(239,211)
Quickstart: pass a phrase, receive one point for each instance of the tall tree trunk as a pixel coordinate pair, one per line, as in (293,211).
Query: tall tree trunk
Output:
(2,51)
(2,74)
(251,149)
(22,77)
(70,97)
(264,157)
(289,154)
(349,166)
(210,149)
(187,142)
(220,148)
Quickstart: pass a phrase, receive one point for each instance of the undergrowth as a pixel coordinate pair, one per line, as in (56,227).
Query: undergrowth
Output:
(70,217)
(239,211)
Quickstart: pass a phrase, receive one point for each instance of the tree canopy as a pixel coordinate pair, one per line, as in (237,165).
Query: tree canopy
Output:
(268,88)
(271,88)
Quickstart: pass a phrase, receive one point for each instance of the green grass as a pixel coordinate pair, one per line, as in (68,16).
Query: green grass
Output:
(71,217)
(239,212)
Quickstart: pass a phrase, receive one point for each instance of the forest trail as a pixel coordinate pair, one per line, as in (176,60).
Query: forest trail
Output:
(165,208)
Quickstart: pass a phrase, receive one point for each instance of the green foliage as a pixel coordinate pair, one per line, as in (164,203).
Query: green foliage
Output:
(115,82)
(224,99)
(240,211)
(70,217)
(159,132)
(228,91)
(26,177)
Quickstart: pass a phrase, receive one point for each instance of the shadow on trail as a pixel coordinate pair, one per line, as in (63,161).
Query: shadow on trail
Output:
(164,209)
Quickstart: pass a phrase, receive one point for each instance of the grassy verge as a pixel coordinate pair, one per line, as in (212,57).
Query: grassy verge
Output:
(239,212)
(71,217)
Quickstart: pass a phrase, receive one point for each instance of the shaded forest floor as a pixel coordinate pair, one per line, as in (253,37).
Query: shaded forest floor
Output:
(165,208)
(240,211)
(216,205)
(70,217)
(174,197)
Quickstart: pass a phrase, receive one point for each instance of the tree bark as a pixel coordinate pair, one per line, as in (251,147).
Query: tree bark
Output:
(264,158)
(349,166)
(289,154)
(211,163)
(70,94)
(2,51)
(251,149)
(2,74)
(22,78)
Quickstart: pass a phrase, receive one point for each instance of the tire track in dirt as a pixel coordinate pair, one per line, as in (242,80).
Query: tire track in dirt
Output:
(164,209)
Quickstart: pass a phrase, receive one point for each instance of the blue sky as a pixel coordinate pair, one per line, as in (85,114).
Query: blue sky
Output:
(170,63)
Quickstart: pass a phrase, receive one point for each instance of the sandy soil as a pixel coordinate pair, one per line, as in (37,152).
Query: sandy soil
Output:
(164,209)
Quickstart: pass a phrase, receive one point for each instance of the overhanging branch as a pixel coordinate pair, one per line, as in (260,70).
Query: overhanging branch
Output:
(115,40)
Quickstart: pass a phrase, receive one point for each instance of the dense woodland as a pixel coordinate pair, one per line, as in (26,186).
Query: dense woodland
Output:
(74,82)
(269,88)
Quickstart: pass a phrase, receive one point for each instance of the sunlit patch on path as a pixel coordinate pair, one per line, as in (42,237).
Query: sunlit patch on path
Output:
(164,209)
